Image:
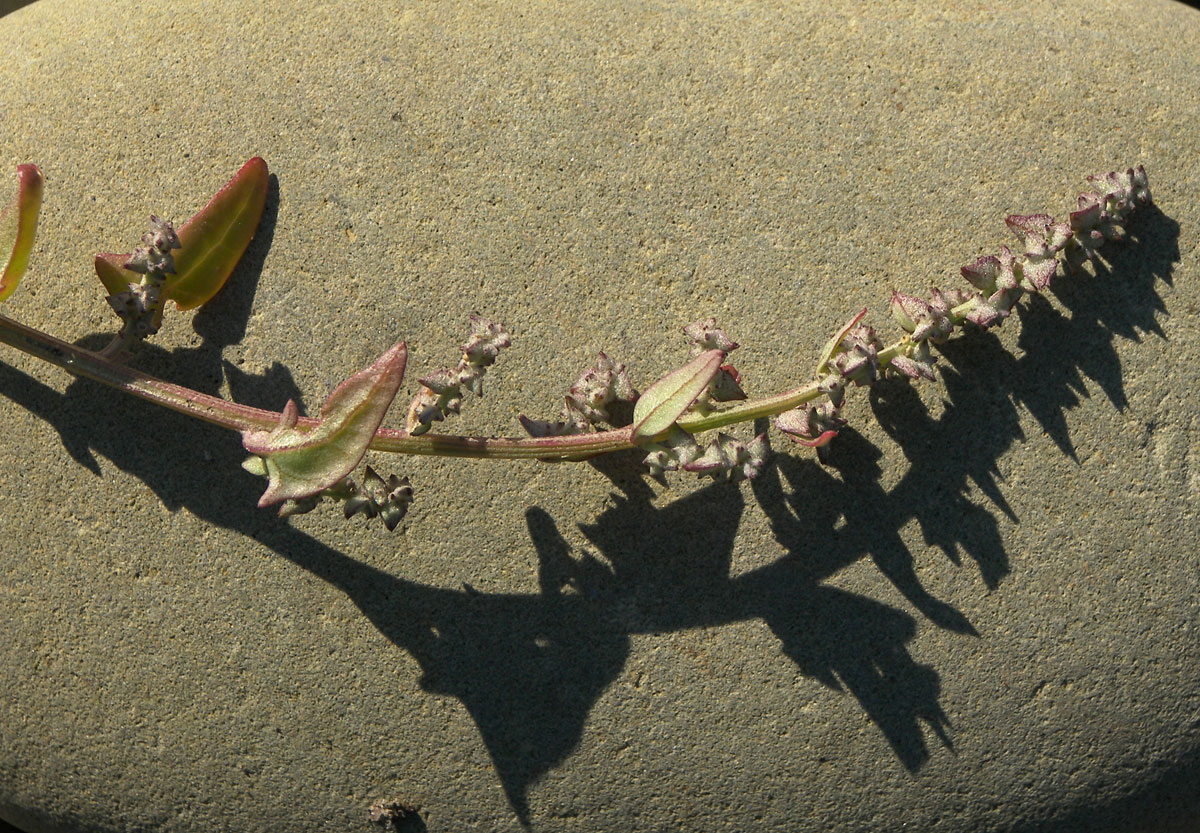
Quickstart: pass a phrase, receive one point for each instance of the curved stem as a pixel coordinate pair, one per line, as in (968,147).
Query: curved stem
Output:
(235,417)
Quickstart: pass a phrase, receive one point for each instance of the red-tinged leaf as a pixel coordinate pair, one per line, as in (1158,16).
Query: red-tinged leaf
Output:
(1029,225)
(1039,273)
(212,242)
(831,347)
(667,399)
(18,223)
(303,463)
(1089,213)
(796,425)
(982,272)
(913,369)
(824,439)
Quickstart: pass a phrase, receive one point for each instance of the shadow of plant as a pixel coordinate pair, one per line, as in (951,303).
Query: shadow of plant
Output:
(529,667)
(7,6)
(666,570)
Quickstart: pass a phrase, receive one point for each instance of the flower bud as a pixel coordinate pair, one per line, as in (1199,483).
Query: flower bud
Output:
(706,336)
(728,459)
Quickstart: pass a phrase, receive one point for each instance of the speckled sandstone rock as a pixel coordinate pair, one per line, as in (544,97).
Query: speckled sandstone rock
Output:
(982,617)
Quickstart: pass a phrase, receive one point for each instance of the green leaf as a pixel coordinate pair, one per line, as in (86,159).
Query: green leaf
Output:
(115,278)
(18,223)
(831,347)
(302,463)
(668,398)
(212,242)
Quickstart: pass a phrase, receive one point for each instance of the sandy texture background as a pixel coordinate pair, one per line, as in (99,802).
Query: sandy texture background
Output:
(983,616)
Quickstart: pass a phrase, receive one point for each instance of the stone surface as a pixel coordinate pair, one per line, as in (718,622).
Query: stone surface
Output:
(982,617)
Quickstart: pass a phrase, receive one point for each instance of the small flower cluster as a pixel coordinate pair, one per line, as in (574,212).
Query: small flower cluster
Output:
(390,814)
(1101,214)
(726,386)
(999,281)
(588,404)
(812,425)
(851,356)
(387,499)
(726,458)
(442,391)
(140,306)
(856,360)
(926,322)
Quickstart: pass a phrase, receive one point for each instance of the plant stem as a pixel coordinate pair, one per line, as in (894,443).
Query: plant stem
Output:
(235,417)
(750,409)
(213,409)
(94,366)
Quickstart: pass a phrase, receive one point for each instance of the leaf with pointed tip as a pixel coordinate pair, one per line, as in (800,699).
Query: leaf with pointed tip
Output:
(668,398)
(18,223)
(112,274)
(832,345)
(212,242)
(303,463)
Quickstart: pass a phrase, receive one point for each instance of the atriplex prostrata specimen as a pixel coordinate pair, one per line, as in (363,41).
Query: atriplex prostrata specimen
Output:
(306,460)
